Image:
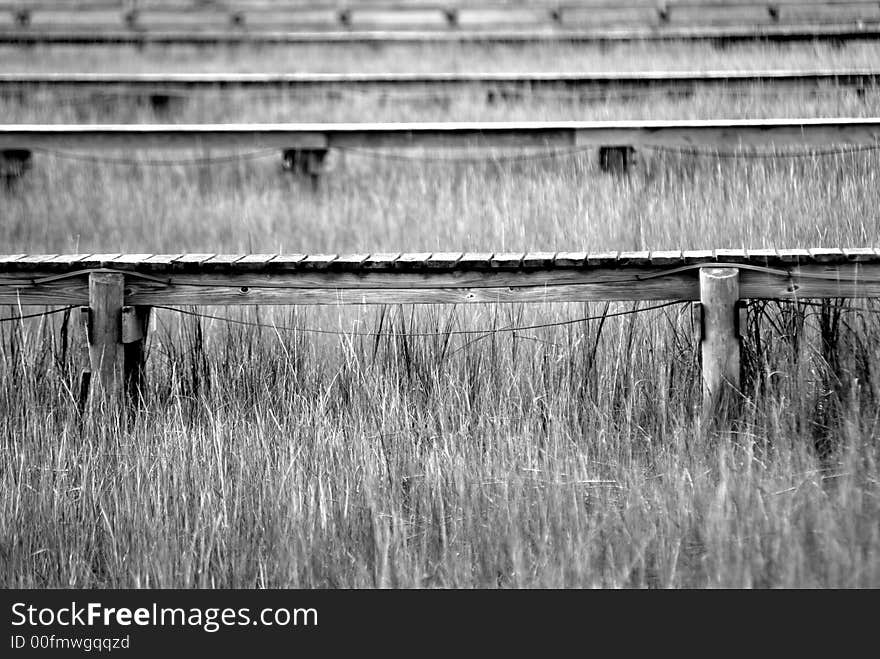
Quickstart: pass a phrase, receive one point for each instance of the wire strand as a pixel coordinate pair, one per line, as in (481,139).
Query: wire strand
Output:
(36,315)
(522,328)
(171,162)
(758,155)
(547,155)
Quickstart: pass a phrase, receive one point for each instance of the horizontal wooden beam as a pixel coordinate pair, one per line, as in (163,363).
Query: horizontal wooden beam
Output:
(835,33)
(710,133)
(675,80)
(448,278)
(396,6)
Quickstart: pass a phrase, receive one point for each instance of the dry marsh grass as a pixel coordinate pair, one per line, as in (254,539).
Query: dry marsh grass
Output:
(564,456)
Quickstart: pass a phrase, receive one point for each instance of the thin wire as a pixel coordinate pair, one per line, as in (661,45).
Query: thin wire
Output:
(205,160)
(256,155)
(417,334)
(36,315)
(762,155)
(384,155)
(826,304)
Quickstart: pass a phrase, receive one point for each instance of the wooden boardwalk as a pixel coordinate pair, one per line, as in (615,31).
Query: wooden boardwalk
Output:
(592,82)
(449,278)
(717,35)
(453,14)
(677,133)
(117,291)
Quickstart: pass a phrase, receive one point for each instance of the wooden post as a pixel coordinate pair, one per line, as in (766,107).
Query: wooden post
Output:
(135,323)
(305,162)
(84,358)
(616,159)
(719,297)
(106,354)
(14,163)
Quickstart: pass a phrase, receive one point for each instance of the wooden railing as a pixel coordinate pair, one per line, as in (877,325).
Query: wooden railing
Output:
(616,139)
(593,82)
(117,290)
(601,21)
(687,132)
(344,13)
(834,33)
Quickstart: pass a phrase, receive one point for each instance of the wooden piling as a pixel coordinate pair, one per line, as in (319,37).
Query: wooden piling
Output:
(616,160)
(135,323)
(720,345)
(106,353)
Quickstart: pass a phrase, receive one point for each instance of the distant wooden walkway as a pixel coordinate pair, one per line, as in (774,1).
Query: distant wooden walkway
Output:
(592,82)
(827,32)
(453,14)
(731,133)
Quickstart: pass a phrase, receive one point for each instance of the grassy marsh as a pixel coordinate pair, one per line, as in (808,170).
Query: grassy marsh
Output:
(568,456)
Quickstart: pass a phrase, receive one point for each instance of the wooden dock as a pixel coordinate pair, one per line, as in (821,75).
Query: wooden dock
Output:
(588,82)
(447,278)
(733,133)
(835,33)
(452,15)
(117,291)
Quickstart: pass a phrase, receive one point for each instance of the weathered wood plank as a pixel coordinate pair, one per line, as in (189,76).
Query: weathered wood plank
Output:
(328,286)
(190,262)
(33,262)
(470,260)
(859,254)
(669,257)
(570,259)
(317,261)
(826,255)
(98,260)
(796,132)
(602,81)
(793,255)
(254,260)
(221,261)
(506,259)
(633,258)
(762,256)
(285,262)
(443,260)
(66,259)
(602,259)
(130,259)
(730,255)
(381,261)
(539,260)
(698,256)
(412,261)
(725,34)
(162,259)
(349,262)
